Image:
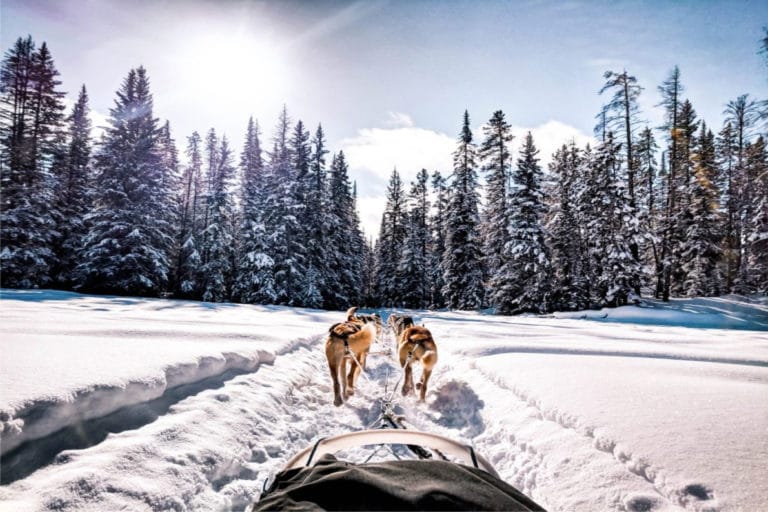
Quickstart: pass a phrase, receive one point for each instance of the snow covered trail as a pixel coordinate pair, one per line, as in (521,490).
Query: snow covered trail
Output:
(210,451)
(579,415)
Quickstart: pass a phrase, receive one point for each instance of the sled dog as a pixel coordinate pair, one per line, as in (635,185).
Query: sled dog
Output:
(346,340)
(371,319)
(417,342)
(399,323)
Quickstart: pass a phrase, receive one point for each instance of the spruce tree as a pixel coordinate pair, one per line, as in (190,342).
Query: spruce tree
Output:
(671,92)
(72,192)
(391,240)
(308,277)
(682,217)
(754,273)
(570,281)
(742,113)
(254,283)
(345,240)
(190,230)
(462,258)
(524,280)
(701,252)
(437,241)
(170,187)
(281,216)
(413,263)
(621,112)
(31,107)
(614,271)
(316,206)
(497,161)
(218,237)
(126,250)
(728,181)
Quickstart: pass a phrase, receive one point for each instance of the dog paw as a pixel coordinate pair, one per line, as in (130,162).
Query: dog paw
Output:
(337,401)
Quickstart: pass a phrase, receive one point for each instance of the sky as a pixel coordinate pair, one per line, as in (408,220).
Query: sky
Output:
(183,405)
(390,80)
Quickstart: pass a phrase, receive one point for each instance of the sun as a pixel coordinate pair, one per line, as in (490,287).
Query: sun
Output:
(232,68)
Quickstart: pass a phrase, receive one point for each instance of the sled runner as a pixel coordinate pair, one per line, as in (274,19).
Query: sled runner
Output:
(314,479)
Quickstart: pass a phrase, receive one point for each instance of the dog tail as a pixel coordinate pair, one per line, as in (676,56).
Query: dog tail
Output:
(344,329)
(368,329)
(351,313)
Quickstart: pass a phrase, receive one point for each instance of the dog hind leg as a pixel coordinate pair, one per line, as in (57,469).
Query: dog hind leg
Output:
(333,366)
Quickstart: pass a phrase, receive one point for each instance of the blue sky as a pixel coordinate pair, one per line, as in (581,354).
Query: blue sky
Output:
(390,80)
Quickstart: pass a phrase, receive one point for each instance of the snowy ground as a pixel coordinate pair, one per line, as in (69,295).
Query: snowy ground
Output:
(120,403)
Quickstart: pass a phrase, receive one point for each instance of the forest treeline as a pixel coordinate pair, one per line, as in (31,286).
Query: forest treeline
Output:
(676,210)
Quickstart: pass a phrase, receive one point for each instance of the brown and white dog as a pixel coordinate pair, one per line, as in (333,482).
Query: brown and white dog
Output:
(416,344)
(374,318)
(345,340)
(399,323)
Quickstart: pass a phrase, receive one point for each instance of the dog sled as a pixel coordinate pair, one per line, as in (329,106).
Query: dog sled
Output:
(457,479)
(394,468)
(386,466)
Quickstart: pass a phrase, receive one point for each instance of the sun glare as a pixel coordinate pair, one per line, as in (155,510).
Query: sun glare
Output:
(232,68)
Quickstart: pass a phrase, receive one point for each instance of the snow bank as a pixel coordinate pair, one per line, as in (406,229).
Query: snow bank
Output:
(729,312)
(69,358)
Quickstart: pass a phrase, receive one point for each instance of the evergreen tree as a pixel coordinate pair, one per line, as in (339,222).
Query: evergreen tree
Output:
(254,283)
(650,193)
(742,114)
(671,92)
(462,259)
(587,215)
(728,181)
(170,187)
(316,214)
(682,217)
(308,276)
(344,236)
(497,161)
(570,281)
(31,109)
(621,111)
(754,273)
(413,264)
(614,271)
(126,248)
(648,188)
(437,241)
(524,280)
(281,216)
(391,240)
(190,231)
(218,236)
(369,274)
(72,192)
(701,253)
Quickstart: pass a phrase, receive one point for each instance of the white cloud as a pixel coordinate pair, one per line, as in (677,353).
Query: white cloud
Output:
(370,209)
(375,152)
(548,137)
(99,121)
(398,120)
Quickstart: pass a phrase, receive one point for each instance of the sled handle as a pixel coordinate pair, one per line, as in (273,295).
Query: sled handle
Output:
(464,452)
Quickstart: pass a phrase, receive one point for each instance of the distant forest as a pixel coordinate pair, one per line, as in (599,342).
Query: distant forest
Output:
(679,210)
